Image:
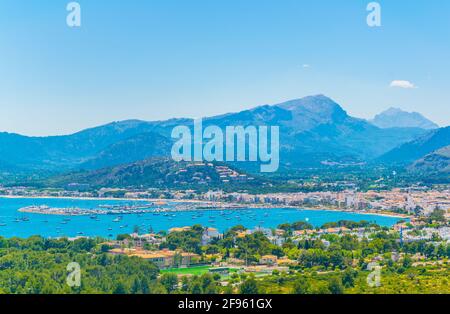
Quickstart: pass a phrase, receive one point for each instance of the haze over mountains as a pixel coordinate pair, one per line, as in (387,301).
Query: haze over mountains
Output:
(397,118)
(418,148)
(313,130)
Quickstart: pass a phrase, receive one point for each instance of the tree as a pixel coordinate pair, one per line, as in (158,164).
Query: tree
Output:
(437,215)
(120,289)
(301,286)
(407,261)
(169,281)
(348,277)
(196,287)
(335,286)
(249,286)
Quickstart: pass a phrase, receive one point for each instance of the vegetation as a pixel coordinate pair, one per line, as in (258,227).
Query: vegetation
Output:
(325,264)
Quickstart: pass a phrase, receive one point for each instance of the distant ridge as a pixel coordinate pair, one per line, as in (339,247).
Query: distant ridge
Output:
(313,130)
(397,118)
(434,167)
(418,148)
(435,163)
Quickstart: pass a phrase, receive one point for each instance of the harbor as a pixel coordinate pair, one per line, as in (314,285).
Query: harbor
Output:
(24,217)
(128,209)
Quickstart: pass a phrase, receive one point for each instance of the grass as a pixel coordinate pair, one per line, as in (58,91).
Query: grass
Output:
(197,270)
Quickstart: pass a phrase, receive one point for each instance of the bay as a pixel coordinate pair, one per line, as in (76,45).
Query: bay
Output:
(16,224)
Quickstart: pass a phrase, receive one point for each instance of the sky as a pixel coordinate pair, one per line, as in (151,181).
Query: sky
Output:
(158,59)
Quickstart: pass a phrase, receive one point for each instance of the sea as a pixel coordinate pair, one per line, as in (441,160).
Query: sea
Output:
(17,224)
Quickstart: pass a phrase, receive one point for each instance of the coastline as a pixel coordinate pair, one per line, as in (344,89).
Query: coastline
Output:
(101,198)
(384,214)
(261,206)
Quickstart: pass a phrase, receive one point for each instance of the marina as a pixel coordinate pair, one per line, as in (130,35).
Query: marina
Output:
(108,218)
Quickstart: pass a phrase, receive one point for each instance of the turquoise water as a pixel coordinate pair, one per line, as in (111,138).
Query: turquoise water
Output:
(14,223)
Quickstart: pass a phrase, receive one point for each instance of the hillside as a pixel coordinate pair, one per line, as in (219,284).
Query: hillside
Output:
(414,150)
(434,164)
(159,173)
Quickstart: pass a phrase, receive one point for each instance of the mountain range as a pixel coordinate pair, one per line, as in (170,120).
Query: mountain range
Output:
(314,131)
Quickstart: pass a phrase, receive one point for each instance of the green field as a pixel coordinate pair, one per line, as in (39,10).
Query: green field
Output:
(198,270)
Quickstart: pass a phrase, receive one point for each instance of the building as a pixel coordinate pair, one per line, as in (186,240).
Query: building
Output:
(177,229)
(210,234)
(163,258)
(268,260)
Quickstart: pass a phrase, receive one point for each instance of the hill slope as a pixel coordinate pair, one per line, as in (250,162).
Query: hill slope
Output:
(434,166)
(159,173)
(414,150)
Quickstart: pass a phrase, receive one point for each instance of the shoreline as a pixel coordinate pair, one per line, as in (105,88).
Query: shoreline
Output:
(253,206)
(101,198)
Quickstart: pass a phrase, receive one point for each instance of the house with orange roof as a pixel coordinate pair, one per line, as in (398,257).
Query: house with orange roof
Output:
(268,260)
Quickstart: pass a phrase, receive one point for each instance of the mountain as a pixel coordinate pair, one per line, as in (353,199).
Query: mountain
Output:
(435,163)
(313,130)
(86,147)
(418,148)
(397,118)
(159,173)
(316,129)
(138,147)
(65,151)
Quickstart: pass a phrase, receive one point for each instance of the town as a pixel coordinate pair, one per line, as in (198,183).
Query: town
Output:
(407,201)
(292,257)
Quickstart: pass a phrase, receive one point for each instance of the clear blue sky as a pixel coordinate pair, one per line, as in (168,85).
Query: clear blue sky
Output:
(171,58)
